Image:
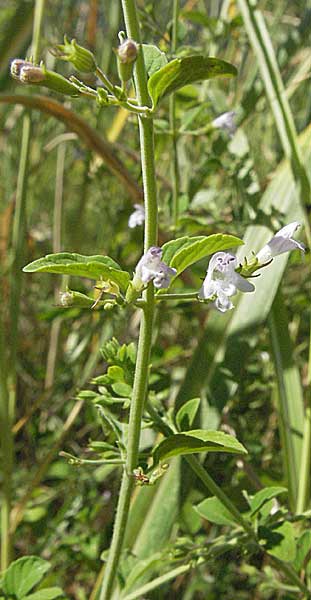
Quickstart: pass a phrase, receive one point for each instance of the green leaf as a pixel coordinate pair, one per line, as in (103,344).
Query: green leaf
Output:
(302,558)
(23,574)
(187,413)
(280,541)
(154,58)
(46,594)
(263,496)
(182,71)
(214,511)
(122,389)
(115,373)
(185,251)
(93,267)
(198,440)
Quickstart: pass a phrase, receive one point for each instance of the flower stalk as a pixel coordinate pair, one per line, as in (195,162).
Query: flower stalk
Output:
(145,334)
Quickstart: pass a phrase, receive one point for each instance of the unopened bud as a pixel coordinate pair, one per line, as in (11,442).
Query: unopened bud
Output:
(17,64)
(109,305)
(102,96)
(81,58)
(31,74)
(127,54)
(66,299)
(77,299)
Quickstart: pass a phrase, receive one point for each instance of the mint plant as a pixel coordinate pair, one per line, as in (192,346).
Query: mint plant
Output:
(124,400)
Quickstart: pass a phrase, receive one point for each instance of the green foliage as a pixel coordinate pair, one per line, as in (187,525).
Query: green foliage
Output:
(23,575)
(184,71)
(186,251)
(187,413)
(93,267)
(215,512)
(154,58)
(194,441)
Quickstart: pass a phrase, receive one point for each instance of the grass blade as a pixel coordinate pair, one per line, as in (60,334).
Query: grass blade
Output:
(290,396)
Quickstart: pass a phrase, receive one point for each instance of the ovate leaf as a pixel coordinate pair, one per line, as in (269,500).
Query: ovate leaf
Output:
(264,496)
(93,267)
(154,58)
(182,71)
(23,574)
(280,541)
(186,414)
(197,440)
(215,512)
(185,251)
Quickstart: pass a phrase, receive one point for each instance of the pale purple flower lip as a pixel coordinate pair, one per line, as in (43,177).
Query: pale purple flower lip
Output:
(281,242)
(222,281)
(137,217)
(151,268)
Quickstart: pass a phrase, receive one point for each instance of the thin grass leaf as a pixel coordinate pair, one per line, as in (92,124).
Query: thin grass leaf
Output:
(290,396)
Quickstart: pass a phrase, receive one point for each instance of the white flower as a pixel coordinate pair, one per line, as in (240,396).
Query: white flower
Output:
(226,121)
(137,217)
(222,281)
(150,267)
(281,242)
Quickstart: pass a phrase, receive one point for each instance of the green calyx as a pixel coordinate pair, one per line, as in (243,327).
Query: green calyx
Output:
(81,58)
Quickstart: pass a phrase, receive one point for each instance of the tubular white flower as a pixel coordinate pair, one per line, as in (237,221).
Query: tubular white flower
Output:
(222,281)
(280,243)
(137,217)
(226,121)
(150,267)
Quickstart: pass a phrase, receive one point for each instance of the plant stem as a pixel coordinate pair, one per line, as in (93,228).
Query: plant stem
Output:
(145,334)
(173,127)
(185,296)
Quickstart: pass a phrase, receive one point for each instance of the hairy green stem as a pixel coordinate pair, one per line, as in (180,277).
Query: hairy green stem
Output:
(145,334)
(173,125)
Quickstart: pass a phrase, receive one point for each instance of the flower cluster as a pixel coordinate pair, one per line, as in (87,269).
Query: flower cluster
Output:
(151,268)
(222,280)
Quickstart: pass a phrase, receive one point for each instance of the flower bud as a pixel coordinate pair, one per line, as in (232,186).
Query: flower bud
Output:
(81,58)
(127,54)
(77,299)
(31,74)
(17,64)
(102,96)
